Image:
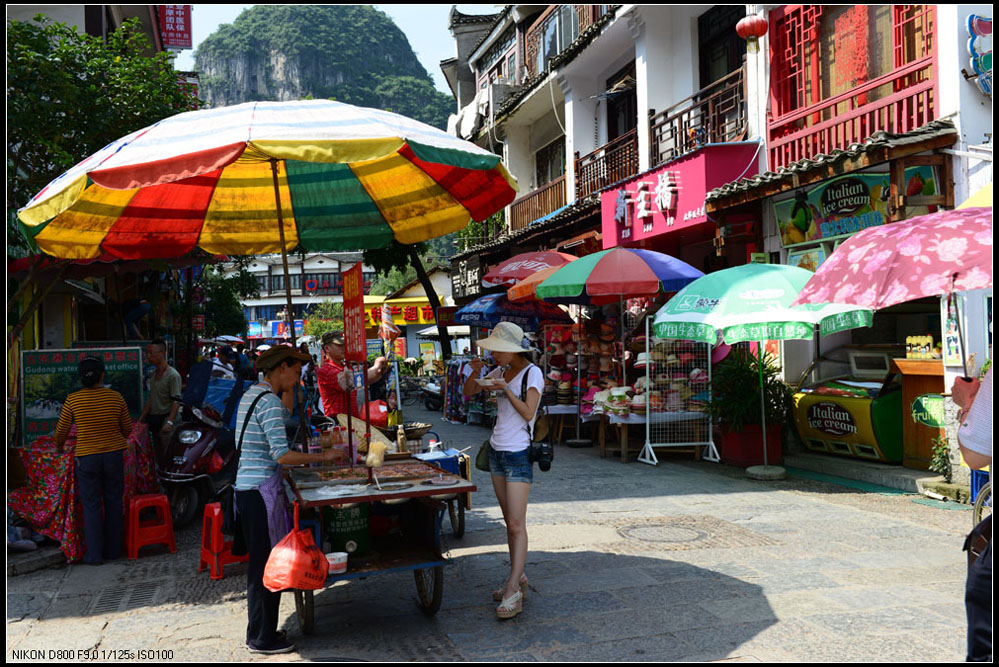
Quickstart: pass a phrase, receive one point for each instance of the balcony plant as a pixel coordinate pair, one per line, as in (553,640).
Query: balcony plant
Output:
(735,402)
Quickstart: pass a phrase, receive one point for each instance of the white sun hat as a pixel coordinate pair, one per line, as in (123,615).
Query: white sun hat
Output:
(505,337)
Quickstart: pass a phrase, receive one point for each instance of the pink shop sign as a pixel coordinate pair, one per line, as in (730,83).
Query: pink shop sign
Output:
(671,197)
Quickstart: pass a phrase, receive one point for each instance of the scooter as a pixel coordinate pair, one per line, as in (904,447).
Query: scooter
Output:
(199,461)
(433,397)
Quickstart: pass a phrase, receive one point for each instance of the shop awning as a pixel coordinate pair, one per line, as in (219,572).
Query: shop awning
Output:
(458,331)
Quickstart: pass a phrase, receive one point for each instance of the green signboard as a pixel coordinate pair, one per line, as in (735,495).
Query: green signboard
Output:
(928,410)
(49,376)
(845,205)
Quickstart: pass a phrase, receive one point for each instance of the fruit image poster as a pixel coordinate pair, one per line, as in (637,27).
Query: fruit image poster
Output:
(845,205)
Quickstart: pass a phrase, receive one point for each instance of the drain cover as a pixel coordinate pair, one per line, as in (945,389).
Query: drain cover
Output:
(677,533)
(124,598)
(663,533)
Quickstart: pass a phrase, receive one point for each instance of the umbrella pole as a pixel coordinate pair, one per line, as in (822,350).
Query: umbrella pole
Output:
(284,251)
(624,364)
(763,401)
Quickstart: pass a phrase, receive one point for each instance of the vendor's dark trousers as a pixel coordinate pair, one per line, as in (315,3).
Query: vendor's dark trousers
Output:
(262,605)
(978,603)
(100,482)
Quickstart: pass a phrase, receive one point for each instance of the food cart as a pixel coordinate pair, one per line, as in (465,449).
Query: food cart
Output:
(409,496)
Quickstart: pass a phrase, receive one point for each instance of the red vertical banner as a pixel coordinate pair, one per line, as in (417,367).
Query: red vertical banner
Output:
(355,347)
(175,26)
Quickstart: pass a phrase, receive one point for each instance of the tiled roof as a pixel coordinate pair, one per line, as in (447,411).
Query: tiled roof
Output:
(457,18)
(587,205)
(496,19)
(932,130)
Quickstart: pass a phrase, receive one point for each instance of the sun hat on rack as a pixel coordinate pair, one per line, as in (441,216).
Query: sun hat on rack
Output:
(505,337)
(642,360)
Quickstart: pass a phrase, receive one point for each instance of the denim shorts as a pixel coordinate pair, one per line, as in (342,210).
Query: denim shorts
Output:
(514,466)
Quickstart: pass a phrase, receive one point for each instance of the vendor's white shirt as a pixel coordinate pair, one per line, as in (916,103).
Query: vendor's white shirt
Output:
(975,432)
(510,432)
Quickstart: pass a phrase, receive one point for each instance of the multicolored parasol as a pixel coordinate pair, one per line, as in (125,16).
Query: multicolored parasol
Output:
(347,178)
(524,265)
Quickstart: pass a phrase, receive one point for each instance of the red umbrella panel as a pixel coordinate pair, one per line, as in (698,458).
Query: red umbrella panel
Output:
(519,267)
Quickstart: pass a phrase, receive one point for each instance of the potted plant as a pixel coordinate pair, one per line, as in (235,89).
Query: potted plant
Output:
(735,402)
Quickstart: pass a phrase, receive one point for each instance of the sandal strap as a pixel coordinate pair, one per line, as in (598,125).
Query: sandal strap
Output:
(511,603)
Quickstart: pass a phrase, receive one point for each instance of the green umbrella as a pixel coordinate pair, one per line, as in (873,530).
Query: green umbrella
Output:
(752,303)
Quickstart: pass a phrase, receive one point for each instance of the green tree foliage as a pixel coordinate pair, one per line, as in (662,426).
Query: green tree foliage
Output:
(325,316)
(349,53)
(70,94)
(223,304)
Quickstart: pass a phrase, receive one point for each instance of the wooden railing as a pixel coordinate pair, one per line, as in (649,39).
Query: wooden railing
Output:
(842,120)
(715,114)
(546,199)
(612,162)
(586,15)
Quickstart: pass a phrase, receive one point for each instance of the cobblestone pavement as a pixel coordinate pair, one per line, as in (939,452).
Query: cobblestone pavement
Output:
(683,561)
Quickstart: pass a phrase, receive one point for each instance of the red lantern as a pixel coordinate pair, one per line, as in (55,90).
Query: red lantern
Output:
(751,28)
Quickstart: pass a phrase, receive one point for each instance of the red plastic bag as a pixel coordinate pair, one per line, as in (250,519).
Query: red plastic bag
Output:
(379,413)
(296,562)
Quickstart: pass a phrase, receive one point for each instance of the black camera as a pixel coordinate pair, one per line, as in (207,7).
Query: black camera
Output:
(542,453)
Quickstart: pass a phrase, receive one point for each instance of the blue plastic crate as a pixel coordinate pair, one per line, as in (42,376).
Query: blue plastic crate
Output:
(979,478)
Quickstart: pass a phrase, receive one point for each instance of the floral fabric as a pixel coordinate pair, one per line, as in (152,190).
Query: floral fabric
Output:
(48,501)
(926,256)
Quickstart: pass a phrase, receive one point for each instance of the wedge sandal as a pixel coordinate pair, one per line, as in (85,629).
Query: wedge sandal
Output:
(510,606)
(498,593)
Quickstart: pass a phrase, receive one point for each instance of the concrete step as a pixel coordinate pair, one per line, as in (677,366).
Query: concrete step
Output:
(882,474)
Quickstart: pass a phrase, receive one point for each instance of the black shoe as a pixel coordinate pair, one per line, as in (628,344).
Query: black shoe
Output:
(278,646)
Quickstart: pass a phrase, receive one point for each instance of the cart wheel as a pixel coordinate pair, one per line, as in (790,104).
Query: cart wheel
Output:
(430,588)
(305,605)
(456,511)
(981,510)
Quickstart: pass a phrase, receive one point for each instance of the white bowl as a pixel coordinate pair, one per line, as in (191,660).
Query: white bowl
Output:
(337,561)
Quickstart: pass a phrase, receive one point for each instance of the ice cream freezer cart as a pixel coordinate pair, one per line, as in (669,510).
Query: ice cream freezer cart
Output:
(408,500)
(859,414)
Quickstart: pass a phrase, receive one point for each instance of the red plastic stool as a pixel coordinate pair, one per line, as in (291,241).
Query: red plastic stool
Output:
(216,552)
(151,531)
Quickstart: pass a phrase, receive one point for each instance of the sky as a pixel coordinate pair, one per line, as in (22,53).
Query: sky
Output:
(424,25)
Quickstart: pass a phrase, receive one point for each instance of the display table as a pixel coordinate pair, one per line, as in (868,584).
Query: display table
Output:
(561,413)
(622,422)
(919,376)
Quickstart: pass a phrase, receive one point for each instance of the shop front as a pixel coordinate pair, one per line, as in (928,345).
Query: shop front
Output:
(862,393)
(664,209)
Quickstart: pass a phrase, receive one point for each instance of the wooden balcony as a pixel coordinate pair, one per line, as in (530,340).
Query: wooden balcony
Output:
(546,199)
(586,15)
(847,118)
(712,115)
(612,162)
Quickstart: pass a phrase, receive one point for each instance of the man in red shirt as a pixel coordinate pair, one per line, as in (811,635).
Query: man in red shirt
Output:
(336,385)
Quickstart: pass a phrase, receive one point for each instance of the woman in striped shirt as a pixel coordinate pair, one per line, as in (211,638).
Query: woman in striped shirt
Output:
(102,429)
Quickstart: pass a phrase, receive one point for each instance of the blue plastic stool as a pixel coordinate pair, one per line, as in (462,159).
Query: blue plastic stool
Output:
(979,478)
(315,527)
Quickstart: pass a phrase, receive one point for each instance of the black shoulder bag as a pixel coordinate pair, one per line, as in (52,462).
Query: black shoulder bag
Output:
(541,453)
(227,497)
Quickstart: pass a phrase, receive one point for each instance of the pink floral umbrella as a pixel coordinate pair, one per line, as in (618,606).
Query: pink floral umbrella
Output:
(931,255)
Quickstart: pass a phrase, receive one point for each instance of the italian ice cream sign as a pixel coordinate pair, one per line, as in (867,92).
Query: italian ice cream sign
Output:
(846,205)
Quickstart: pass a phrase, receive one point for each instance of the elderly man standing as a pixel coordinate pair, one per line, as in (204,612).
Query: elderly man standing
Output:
(160,411)
(336,382)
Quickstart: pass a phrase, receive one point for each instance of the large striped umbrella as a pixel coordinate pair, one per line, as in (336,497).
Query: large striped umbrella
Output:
(347,178)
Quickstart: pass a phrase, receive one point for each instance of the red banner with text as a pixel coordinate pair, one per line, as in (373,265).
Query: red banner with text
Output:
(355,347)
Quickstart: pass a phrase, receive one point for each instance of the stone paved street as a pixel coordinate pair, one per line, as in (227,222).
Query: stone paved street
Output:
(685,561)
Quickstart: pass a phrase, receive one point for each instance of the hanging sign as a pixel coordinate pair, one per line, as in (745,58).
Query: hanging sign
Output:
(175,26)
(846,205)
(355,347)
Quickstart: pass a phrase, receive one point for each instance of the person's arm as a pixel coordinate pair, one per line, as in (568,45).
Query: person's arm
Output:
(175,390)
(124,419)
(471,386)
(62,428)
(377,370)
(526,408)
(974,434)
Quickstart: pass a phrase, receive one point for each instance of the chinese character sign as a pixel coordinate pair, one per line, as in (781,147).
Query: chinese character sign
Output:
(175,26)
(49,376)
(355,348)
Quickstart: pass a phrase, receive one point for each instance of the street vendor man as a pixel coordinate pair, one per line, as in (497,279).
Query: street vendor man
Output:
(160,410)
(336,383)
(260,496)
